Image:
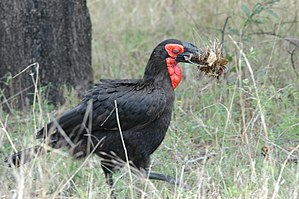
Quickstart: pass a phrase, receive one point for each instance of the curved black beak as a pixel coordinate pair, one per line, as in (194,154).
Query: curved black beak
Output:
(189,50)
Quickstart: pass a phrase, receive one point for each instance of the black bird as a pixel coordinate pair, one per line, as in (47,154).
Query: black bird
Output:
(120,119)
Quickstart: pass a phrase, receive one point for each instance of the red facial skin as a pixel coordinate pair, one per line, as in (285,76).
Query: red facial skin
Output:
(174,71)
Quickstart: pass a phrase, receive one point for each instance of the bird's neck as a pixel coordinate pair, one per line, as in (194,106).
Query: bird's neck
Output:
(165,73)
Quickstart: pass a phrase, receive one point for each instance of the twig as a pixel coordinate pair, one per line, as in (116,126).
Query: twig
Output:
(61,186)
(201,158)
(124,145)
(62,132)
(36,96)
(24,70)
(266,33)
(5,101)
(280,147)
(223,30)
(276,189)
(3,127)
(293,41)
(108,117)
(262,116)
(292,53)
(18,93)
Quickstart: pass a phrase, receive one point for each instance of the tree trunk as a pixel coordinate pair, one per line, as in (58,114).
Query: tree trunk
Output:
(55,34)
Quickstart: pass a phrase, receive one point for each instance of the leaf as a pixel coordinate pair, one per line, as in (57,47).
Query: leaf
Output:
(229,58)
(212,58)
(273,14)
(258,21)
(233,30)
(223,62)
(258,8)
(274,1)
(246,10)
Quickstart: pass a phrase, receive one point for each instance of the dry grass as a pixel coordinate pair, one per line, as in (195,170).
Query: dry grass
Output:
(219,127)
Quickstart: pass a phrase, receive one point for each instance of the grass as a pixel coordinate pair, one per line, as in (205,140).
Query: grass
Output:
(229,120)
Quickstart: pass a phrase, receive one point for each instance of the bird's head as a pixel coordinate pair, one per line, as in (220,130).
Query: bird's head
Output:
(167,55)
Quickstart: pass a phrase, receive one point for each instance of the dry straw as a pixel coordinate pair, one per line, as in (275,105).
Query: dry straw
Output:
(210,60)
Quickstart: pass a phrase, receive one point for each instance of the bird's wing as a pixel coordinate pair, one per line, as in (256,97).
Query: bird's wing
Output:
(136,106)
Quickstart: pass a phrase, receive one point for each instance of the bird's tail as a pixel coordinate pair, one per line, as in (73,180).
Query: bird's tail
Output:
(24,156)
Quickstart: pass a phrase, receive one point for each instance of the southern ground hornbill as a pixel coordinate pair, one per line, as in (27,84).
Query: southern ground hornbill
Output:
(120,119)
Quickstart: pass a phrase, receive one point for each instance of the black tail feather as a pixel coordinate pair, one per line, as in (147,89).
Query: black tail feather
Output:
(67,121)
(25,156)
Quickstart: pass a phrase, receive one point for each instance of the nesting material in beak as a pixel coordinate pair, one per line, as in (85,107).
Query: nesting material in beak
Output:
(210,60)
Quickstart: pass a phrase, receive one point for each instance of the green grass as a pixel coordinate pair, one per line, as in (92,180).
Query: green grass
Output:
(228,119)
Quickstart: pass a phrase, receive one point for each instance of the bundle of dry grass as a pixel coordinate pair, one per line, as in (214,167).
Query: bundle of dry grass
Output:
(210,60)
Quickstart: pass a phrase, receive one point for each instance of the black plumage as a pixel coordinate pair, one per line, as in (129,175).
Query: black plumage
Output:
(143,106)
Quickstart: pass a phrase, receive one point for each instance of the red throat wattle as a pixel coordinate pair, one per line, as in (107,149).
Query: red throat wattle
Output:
(174,71)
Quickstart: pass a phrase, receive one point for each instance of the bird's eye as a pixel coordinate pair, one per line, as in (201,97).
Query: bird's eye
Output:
(175,51)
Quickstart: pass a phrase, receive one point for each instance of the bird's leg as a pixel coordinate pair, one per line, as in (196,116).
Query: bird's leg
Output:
(159,176)
(171,180)
(109,181)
